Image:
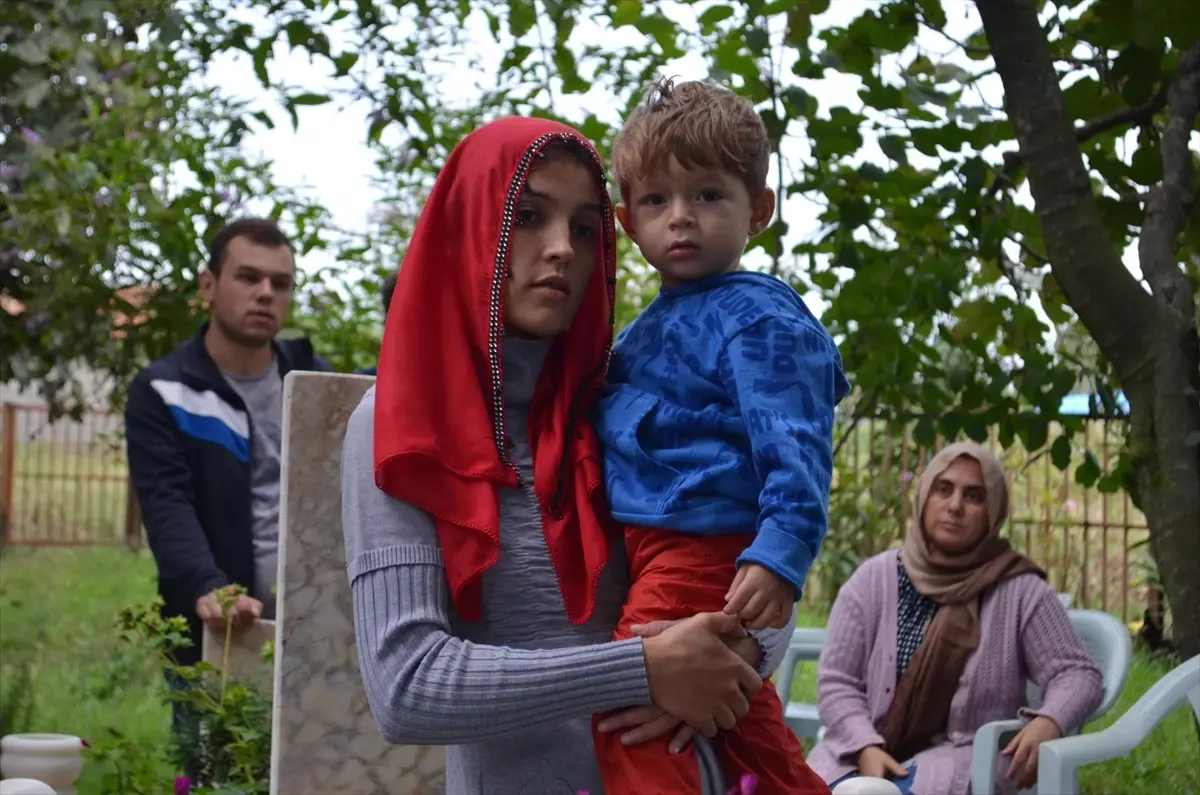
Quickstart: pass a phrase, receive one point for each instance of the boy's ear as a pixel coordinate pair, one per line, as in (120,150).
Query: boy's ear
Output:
(626,221)
(762,211)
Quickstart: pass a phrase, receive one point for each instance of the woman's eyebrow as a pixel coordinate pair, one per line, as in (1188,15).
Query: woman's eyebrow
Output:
(533,193)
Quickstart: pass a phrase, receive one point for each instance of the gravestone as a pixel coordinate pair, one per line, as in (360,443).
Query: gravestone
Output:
(245,650)
(324,739)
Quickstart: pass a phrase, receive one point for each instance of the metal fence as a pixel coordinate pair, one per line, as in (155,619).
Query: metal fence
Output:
(65,483)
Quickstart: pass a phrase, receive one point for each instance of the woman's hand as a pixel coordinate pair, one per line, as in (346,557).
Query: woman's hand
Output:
(745,646)
(1024,750)
(696,677)
(875,762)
(650,723)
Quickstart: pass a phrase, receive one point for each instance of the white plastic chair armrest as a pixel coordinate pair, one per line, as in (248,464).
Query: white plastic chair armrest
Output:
(1058,760)
(985,752)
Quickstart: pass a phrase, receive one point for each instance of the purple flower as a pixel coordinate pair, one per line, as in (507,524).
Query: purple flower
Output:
(124,70)
(7,171)
(30,136)
(906,477)
(1071,507)
(35,324)
(183,785)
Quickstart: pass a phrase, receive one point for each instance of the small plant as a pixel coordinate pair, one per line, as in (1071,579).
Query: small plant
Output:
(230,754)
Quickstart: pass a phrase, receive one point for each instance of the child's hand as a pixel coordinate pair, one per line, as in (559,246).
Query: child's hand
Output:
(760,598)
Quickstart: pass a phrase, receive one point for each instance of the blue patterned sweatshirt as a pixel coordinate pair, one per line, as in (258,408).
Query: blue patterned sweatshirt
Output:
(718,418)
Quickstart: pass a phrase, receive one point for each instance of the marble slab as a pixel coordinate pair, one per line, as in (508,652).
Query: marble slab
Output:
(324,739)
(245,650)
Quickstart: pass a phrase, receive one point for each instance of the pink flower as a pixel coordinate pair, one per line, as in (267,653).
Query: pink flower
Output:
(747,786)
(1071,507)
(906,477)
(31,137)
(183,785)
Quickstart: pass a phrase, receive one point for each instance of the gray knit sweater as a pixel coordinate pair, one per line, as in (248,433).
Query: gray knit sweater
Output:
(511,695)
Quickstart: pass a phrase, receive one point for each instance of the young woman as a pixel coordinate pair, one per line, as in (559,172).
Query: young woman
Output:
(486,574)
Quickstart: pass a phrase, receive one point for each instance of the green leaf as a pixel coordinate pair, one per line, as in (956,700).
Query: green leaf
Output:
(826,280)
(35,93)
(628,12)
(309,99)
(33,50)
(515,58)
(924,432)
(895,148)
(568,72)
(1033,430)
(933,13)
(345,62)
(799,26)
(1088,470)
(663,31)
(713,15)
(1060,452)
(170,27)
(521,17)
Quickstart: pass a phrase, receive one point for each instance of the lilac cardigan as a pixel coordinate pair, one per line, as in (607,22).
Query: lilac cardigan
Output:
(1025,635)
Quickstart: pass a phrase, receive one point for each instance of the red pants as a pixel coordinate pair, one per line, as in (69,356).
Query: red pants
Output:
(676,575)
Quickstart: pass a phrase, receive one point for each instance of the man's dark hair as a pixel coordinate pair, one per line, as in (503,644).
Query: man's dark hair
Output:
(261,231)
(389,287)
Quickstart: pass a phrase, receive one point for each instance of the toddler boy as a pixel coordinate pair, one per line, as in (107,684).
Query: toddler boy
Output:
(718,418)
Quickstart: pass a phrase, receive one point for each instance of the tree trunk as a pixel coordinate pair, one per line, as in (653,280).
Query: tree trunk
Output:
(1150,339)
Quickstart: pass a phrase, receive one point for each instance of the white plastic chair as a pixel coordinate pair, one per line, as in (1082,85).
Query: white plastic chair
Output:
(1058,760)
(800,717)
(1108,644)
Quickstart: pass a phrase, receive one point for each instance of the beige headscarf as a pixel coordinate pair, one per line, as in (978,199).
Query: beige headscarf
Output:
(921,705)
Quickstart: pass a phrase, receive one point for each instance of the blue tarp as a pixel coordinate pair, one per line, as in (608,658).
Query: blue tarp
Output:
(1081,405)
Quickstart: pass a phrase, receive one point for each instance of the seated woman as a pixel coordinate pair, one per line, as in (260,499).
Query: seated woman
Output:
(927,644)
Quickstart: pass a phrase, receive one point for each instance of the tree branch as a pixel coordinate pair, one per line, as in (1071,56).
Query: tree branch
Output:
(1110,302)
(1119,118)
(1168,203)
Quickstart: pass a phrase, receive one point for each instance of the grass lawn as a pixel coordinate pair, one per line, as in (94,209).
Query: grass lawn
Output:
(59,607)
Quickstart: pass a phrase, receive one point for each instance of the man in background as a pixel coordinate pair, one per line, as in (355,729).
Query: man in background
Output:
(389,287)
(203,435)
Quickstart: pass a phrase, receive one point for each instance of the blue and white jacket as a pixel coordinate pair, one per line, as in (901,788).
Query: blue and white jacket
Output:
(187,435)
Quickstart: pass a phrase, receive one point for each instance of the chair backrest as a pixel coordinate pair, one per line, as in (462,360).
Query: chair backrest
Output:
(806,646)
(1108,644)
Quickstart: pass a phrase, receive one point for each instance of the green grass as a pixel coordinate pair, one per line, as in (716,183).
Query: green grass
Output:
(1157,766)
(58,608)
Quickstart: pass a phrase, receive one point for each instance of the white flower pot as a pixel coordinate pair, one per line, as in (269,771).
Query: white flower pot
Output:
(54,759)
(24,786)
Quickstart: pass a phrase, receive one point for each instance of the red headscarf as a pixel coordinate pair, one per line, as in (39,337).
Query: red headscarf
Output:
(439,417)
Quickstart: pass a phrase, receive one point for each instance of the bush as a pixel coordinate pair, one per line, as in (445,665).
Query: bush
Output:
(232,753)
